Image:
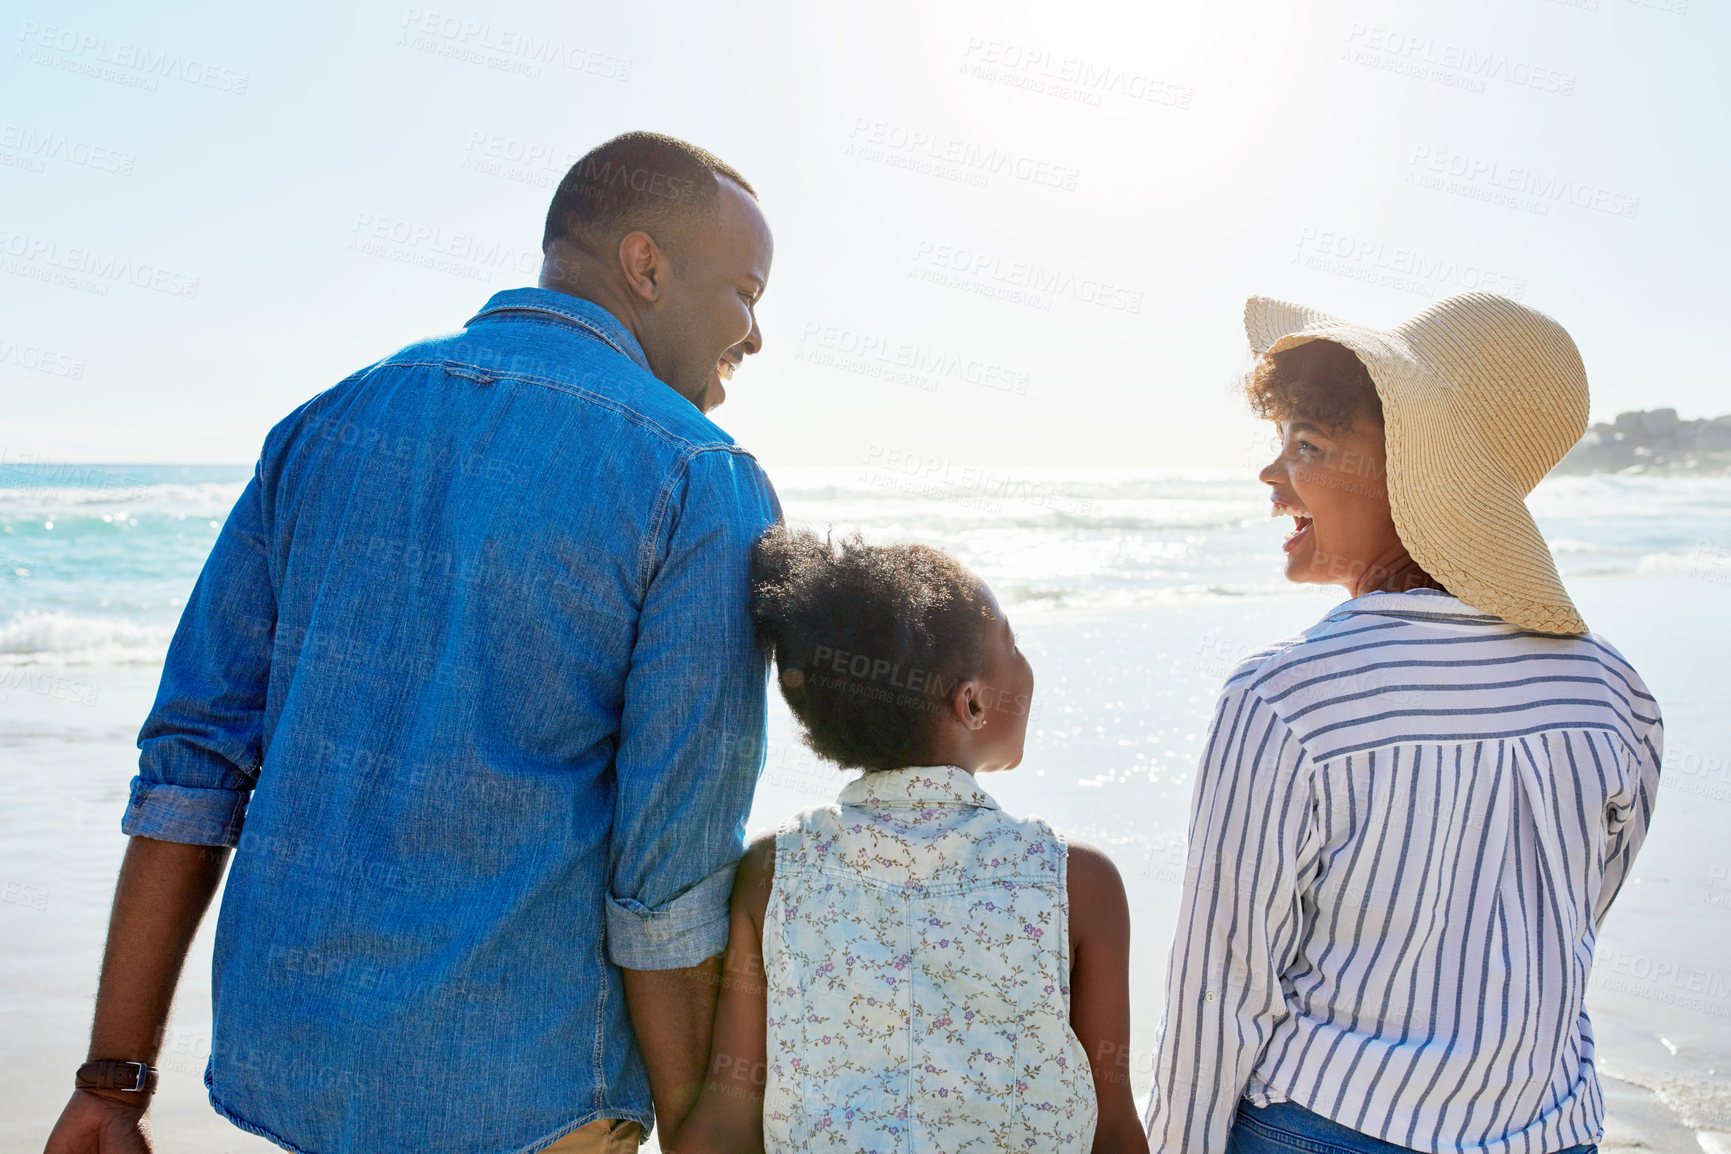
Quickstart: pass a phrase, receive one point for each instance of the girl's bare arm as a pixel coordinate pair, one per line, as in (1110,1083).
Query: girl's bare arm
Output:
(728,1117)
(1100,994)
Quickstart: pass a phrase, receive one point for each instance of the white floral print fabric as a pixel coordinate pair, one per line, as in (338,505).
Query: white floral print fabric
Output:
(917,954)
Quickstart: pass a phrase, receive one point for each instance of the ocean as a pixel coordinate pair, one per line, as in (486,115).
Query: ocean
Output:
(1134,592)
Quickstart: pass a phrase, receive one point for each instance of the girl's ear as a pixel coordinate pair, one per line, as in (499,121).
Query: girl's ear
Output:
(966,705)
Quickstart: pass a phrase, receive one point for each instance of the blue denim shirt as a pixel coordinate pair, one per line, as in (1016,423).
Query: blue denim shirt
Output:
(470,683)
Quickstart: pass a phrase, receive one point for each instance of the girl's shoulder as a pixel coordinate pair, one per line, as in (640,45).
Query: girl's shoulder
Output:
(1093,875)
(1099,907)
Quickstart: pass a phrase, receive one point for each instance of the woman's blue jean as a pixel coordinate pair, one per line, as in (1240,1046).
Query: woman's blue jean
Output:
(1288,1128)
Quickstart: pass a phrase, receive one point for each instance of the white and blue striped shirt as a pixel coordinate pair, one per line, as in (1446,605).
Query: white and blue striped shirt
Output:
(1408,824)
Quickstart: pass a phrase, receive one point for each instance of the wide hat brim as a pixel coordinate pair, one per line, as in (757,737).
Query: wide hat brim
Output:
(1481,397)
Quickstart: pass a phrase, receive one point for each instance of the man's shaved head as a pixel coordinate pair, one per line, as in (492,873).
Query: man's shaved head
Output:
(673,243)
(641,180)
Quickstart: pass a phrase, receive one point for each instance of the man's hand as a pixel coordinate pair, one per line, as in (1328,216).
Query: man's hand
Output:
(163,891)
(100,1123)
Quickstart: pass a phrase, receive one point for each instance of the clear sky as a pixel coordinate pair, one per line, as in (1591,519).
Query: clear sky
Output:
(1008,234)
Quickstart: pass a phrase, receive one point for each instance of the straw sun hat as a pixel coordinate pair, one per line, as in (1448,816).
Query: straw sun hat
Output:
(1481,396)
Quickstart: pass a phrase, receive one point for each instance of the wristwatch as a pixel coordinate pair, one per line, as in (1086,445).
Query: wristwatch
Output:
(111,1074)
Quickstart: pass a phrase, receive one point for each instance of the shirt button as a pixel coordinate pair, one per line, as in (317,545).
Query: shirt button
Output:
(1208,997)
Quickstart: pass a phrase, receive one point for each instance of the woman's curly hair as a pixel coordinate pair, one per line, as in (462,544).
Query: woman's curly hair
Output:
(868,639)
(1319,381)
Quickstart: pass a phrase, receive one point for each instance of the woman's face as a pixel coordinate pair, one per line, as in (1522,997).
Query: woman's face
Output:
(1333,483)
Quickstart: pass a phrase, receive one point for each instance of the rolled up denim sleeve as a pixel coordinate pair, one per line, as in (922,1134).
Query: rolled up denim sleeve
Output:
(200,748)
(692,729)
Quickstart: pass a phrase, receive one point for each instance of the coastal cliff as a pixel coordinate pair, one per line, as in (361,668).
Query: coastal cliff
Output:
(1654,441)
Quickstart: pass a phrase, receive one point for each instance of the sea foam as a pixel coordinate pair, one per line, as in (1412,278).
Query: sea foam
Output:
(36,637)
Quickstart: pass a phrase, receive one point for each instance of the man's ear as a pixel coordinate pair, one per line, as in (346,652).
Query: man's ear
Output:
(966,705)
(643,264)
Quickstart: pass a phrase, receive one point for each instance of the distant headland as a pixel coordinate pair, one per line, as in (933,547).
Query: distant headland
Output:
(1653,441)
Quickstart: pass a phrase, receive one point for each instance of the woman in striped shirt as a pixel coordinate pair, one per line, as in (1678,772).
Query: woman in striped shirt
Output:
(1410,820)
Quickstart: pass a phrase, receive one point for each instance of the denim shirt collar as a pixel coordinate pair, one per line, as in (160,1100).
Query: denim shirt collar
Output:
(921,786)
(572,311)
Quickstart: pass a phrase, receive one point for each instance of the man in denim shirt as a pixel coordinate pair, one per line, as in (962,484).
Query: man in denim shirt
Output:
(469,685)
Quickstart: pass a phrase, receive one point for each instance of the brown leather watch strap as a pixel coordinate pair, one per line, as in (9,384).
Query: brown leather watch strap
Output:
(113,1074)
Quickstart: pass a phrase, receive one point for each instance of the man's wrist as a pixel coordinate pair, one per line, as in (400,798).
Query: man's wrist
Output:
(120,1079)
(117,1100)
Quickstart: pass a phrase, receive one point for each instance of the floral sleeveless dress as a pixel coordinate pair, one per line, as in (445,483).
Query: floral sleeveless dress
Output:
(917,953)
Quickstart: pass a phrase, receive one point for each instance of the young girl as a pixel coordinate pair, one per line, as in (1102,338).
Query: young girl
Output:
(912,969)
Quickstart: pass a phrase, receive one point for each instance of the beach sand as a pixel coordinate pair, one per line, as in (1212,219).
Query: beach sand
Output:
(1123,700)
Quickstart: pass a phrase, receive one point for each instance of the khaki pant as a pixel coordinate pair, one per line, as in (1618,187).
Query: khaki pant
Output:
(602,1136)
